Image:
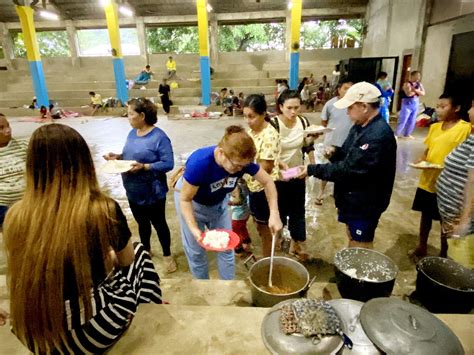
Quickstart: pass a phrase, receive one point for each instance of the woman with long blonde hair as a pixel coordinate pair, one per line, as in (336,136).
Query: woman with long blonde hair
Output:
(75,277)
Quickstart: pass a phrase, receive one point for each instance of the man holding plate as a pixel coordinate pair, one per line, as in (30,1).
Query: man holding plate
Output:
(363,169)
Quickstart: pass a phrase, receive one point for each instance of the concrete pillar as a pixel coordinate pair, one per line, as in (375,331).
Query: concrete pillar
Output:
(111,15)
(7,44)
(141,33)
(26,15)
(204,52)
(295,43)
(73,45)
(214,39)
(421,33)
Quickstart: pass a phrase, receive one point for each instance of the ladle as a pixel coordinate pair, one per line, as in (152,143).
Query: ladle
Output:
(270,284)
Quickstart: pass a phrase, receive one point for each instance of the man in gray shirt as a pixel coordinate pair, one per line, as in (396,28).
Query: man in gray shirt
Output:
(338,119)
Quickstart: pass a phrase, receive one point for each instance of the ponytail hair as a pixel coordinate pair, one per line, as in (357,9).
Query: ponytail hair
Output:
(258,104)
(236,143)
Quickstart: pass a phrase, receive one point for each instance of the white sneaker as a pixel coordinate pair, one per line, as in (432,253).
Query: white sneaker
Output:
(143,88)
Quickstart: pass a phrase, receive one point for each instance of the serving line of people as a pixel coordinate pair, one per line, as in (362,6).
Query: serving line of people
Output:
(76,279)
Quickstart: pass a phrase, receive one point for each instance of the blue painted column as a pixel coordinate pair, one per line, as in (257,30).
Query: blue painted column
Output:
(25,13)
(295,43)
(204,52)
(111,15)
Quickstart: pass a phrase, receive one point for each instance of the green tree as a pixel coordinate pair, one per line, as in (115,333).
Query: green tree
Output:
(251,37)
(331,34)
(50,44)
(184,39)
(96,42)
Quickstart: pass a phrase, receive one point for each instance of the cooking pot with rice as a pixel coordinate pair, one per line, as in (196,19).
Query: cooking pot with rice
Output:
(290,280)
(363,274)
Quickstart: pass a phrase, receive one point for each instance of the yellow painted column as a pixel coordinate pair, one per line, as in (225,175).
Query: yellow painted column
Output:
(111,15)
(295,43)
(204,52)
(26,15)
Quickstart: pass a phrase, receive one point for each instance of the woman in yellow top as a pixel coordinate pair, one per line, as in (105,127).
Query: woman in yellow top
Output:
(442,138)
(267,143)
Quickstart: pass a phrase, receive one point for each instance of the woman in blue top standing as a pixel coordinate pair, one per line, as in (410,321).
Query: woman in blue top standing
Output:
(146,183)
(211,173)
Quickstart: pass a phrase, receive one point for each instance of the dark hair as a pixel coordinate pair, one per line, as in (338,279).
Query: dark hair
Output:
(458,101)
(284,81)
(51,106)
(223,89)
(343,81)
(145,106)
(374,105)
(286,95)
(381,75)
(414,72)
(2,115)
(257,103)
(92,93)
(147,66)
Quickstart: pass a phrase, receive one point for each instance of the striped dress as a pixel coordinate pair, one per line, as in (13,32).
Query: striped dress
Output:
(12,170)
(452,180)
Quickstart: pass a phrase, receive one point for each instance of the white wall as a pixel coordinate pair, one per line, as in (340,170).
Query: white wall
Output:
(436,58)
(394,30)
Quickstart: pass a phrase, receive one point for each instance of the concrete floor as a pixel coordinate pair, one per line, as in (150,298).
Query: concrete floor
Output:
(395,236)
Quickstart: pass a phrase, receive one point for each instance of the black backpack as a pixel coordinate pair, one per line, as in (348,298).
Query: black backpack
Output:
(304,121)
(274,122)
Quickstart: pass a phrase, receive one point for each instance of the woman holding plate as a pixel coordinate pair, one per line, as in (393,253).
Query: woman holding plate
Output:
(145,183)
(210,174)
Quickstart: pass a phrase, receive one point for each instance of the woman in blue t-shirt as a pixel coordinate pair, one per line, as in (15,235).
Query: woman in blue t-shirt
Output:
(145,184)
(211,173)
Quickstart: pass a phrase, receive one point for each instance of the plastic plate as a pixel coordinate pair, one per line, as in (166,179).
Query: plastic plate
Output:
(425,165)
(234,240)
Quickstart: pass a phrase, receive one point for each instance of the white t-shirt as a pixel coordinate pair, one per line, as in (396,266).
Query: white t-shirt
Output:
(291,141)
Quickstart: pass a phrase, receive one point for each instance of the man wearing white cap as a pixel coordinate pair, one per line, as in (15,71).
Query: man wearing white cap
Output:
(363,169)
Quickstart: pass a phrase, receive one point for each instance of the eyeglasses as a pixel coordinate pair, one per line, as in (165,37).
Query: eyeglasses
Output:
(235,165)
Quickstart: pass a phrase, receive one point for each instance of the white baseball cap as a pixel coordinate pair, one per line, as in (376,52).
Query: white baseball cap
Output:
(360,92)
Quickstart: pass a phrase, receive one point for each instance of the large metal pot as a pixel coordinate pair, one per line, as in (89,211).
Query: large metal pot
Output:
(363,274)
(444,286)
(287,273)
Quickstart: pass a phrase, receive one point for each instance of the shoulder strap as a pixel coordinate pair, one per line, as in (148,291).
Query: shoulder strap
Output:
(304,121)
(274,122)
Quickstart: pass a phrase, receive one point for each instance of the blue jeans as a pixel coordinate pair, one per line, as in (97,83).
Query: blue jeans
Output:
(212,217)
(3,212)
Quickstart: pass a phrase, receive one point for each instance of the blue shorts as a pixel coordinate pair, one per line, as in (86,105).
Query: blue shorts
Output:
(361,230)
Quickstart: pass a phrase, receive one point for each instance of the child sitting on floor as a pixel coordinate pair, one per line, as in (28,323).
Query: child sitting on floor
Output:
(239,202)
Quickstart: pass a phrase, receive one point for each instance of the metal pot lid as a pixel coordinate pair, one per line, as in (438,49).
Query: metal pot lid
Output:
(399,327)
(349,313)
(279,343)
